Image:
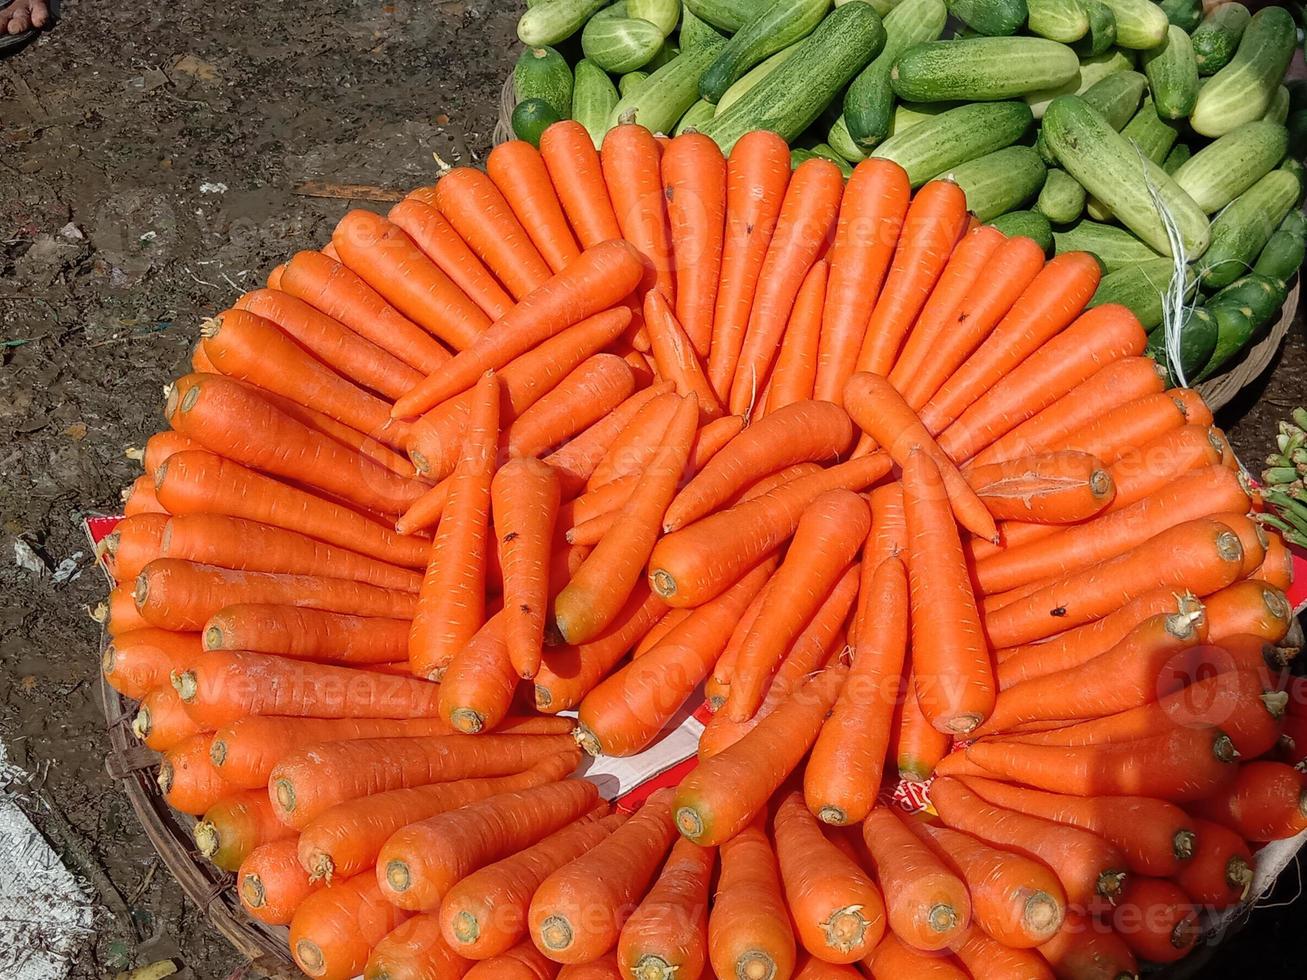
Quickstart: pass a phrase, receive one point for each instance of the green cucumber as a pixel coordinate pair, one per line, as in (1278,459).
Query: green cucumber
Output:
(952,138)
(593,98)
(695,30)
(993,18)
(1278,110)
(842,143)
(620,44)
(1295,222)
(908,114)
(668,93)
(1242,90)
(663,56)
(1292,165)
(826,152)
(725,15)
(791,98)
(1184,14)
(531,118)
(1058,20)
(999,182)
(883,7)
(1110,168)
(1282,256)
(1217,37)
(1197,341)
(1115,96)
(695,117)
(1173,75)
(663,14)
(869,101)
(751,80)
(1062,199)
(776,27)
(980,69)
(1262,296)
(1241,231)
(542,73)
(1092,71)
(551,21)
(1141,288)
(1225,168)
(1150,132)
(1140,24)
(1115,248)
(1101,35)
(1234,326)
(630,83)
(1026,224)
(1180,154)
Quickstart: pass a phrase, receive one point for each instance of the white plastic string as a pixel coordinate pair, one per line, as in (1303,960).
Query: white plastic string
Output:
(1174,308)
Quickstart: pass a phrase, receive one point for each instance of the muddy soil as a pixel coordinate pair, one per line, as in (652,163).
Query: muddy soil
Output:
(148,159)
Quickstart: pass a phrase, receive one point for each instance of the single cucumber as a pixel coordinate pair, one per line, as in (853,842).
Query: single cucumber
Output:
(1062,199)
(1197,341)
(869,101)
(952,138)
(1115,248)
(842,143)
(620,44)
(1101,35)
(1278,110)
(993,18)
(746,84)
(695,117)
(1140,24)
(1173,75)
(778,26)
(1242,230)
(1150,132)
(908,114)
(999,182)
(531,118)
(1262,295)
(1184,14)
(1225,168)
(695,30)
(663,14)
(826,152)
(1058,20)
(1141,288)
(1179,155)
(593,98)
(980,69)
(1110,168)
(1282,256)
(1116,97)
(550,21)
(631,82)
(1292,165)
(1242,90)
(1026,224)
(542,73)
(1295,222)
(789,99)
(1234,329)
(667,94)
(726,15)
(1217,38)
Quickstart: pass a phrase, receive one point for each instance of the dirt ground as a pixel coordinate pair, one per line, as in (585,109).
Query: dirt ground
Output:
(147,166)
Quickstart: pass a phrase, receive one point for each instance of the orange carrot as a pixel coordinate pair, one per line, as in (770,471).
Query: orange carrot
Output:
(577,459)
(271,884)
(631,167)
(1053,488)
(577,175)
(577,913)
(307,634)
(984,956)
(478,684)
(1220,871)
(934,222)
(796,365)
(135,662)
(522,962)
(1248,608)
(916,746)
(886,539)
(119,613)
(694,182)
(926,903)
(419,219)
(811,968)
(667,934)
(471,203)
(187,777)
(161,445)
(1266,801)
(519,172)
(334,929)
(808,214)
(140,498)
(1087,949)
(749,932)
(1277,567)
(1252,538)
(161,720)
(894,958)
(1157,920)
(636,444)
(233,827)
(757,174)
(451,604)
(414,950)
(1129,426)
(675,356)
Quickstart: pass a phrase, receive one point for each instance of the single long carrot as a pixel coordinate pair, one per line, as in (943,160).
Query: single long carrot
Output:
(161,720)
(1219,872)
(725,792)
(871,217)
(1051,488)
(697,562)
(807,218)
(674,355)
(827,537)
(160,446)
(916,746)
(882,413)
(1129,426)
(525,498)
(749,931)
(451,604)
(630,157)
(471,203)
(520,173)
(233,827)
(136,662)
(1265,801)
(596,281)
(414,950)
(795,373)
(757,174)
(926,903)
(577,176)
(667,934)
(1052,300)
(334,929)
(325,284)
(605,580)
(935,220)
(694,183)
(270,883)
(844,771)
(417,216)
(577,913)
(894,958)
(133,543)
(307,634)
(187,777)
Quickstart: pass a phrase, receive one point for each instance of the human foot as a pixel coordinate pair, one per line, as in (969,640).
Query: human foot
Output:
(23,15)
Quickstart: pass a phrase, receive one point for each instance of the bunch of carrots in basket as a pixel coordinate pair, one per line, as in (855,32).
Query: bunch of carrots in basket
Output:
(554,453)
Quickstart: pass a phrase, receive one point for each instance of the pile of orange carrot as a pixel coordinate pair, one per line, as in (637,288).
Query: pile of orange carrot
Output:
(551,454)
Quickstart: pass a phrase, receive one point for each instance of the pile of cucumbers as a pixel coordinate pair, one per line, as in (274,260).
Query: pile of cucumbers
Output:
(1132,129)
